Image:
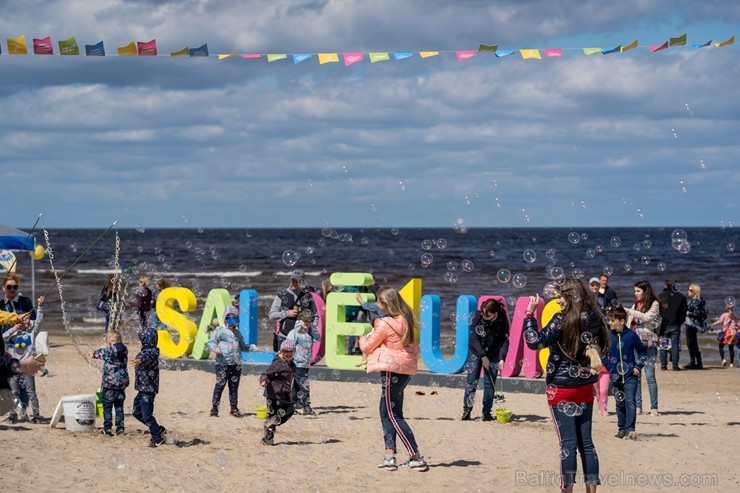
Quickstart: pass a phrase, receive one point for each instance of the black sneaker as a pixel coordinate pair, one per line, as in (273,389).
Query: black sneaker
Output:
(214,412)
(307,411)
(236,413)
(120,432)
(36,420)
(156,443)
(268,441)
(487,417)
(620,434)
(107,433)
(466,415)
(162,431)
(499,399)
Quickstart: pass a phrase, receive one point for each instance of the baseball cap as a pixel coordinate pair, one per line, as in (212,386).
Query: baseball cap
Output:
(594,280)
(287,346)
(297,274)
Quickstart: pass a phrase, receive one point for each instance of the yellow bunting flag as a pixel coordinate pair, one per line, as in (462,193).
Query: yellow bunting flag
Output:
(379,57)
(223,56)
(726,43)
(591,51)
(427,54)
(184,52)
(530,54)
(17,46)
(128,50)
(679,41)
(276,56)
(328,58)
(491,48)
(630,46)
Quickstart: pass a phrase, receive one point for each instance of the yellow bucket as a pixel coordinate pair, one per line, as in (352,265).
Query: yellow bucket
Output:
(261,412)
(503,415)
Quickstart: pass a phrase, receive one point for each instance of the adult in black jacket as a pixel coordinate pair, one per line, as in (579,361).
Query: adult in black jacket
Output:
(673,313)
(488,344)
(572,368)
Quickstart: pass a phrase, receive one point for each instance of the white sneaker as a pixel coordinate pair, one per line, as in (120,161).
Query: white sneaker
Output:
(731,365)
(388,464)
(654,412)
(632,435)
(418,464)
(724,362)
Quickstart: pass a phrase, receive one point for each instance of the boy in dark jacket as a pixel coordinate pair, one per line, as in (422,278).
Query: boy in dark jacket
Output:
(277,381)
(115,380)
(147,383)
(624,371)
(488,344)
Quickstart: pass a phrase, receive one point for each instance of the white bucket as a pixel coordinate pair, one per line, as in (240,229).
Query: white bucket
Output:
(79,412)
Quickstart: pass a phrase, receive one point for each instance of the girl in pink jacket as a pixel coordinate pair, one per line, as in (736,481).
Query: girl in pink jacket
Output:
(393,351)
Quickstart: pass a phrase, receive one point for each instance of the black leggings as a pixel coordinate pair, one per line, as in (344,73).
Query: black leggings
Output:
(731,347)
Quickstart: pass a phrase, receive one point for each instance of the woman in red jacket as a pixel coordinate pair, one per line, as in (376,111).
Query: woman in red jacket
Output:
(393,350)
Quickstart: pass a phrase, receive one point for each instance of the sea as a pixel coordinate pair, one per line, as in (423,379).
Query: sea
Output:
(511,262)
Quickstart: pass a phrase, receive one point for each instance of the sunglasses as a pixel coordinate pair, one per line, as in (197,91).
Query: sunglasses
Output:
(11,286)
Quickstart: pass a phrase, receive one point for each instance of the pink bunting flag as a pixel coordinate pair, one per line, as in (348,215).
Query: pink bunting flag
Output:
(464,55)
(42,46)
(553,52)
(658,48)
(147,49)
(251,55)
(350,58)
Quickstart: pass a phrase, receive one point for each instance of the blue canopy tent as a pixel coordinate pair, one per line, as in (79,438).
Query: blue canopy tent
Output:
(19,241)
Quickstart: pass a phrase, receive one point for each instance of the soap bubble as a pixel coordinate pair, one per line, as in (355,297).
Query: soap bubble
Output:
(590,253)
(426,244)
(117,463)
(557,274)
(529,256)
(730,301)
(644,260)
(394,231)
(531,336)
(665,343)
(684,247)
(290,257)
(584,236)
(550,291)
(550,367)
(441,244)
(467,265)
(519,281)
(503,275)
(607,270)
(616,241)
(622,368)
(550,254)
(730,247)
(619,396)
(661,266)
(647,244)
(450,277)
(452,265)
(574,237)
(577,273)
(426,259)
(587,337)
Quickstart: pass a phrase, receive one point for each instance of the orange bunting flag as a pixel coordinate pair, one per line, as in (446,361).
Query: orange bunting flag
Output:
(147,49)
(658,48)
(42,46)
(350,58)
(328,58)
(464,55)
(17,46)
(726,43)
(549,52)
(530,54)
(679,41)
(128,50)
(630,46)
(427,54)
(591,51)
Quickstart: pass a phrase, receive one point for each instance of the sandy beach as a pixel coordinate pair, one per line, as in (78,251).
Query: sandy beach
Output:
(689,444)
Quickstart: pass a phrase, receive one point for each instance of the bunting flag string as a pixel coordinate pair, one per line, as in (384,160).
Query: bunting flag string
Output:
(69,47)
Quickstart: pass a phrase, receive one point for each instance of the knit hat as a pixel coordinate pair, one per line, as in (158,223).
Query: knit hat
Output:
(287,346)
(297,274)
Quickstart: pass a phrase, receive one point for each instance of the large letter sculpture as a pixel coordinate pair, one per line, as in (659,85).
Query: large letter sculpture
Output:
(172,318)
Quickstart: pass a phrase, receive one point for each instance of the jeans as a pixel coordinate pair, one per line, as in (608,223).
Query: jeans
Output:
(574,433)
(144,319)
(692,344)
(230,374)
(144,412)
(113,399)
(731,348)
(300,391)
(649,370)
(107,321)
(18,383)
(474,366)
(392,388)
(626,407)
(674,333)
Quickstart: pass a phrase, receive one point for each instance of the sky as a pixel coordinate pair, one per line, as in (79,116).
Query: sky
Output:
(625,139)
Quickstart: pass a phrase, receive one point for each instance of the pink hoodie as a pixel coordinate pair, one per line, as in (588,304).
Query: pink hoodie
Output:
(386,350)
